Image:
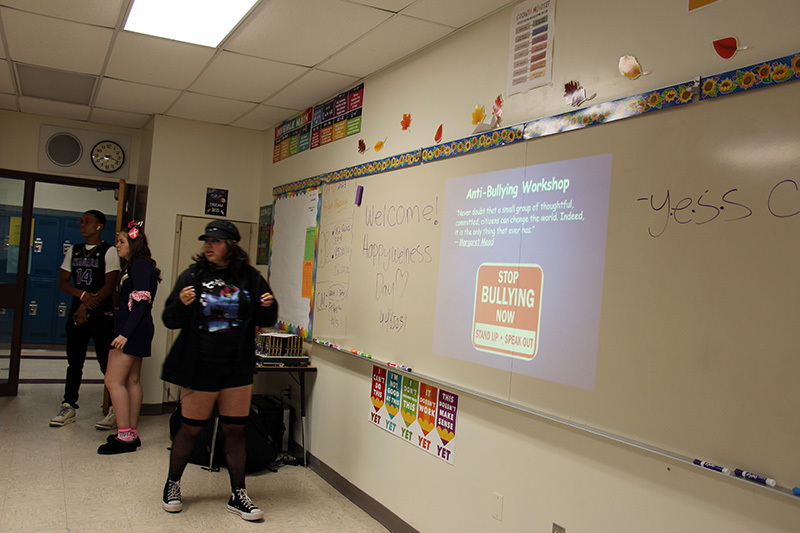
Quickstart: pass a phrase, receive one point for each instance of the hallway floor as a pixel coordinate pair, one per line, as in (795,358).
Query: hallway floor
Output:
(53,480)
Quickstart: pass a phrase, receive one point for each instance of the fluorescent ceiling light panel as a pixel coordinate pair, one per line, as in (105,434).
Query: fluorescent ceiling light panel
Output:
(203,22)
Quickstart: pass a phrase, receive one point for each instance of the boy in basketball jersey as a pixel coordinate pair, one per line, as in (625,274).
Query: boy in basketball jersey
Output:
(89,274)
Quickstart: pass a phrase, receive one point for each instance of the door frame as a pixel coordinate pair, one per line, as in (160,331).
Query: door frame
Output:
(12,295)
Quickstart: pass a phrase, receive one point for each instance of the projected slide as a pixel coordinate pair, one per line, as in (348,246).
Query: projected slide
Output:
(521,269)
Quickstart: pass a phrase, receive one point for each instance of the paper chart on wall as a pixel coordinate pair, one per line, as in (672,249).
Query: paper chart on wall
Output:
(531,50)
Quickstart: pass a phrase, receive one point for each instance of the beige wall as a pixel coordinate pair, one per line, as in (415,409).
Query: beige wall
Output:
(546,473)
(19,142)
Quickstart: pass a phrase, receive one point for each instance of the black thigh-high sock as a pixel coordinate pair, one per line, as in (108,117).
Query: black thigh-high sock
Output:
(183,445)
(235,448)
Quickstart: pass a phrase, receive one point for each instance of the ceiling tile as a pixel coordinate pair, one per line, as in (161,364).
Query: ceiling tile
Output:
(119,118)
(245,78)
(311,89)
(97,12)
(8,101)
(134,97)
(264,117)
(209,108)
(395,6)
(39,106)
(369,54)
(6,81)
(303,32)
(168,63)
(54,43)
(454,13)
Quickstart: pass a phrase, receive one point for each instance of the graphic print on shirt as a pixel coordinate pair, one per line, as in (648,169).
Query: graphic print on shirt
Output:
(220,303)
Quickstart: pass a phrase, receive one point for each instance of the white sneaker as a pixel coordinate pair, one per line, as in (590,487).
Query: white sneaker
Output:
(65,416)
(109,421)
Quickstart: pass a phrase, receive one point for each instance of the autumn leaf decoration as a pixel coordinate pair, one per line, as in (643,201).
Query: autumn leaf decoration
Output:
(362,146)
(438,137)
(379,145)
(406,122)
(726,48)
(574,94)
(497,109)
(478,114)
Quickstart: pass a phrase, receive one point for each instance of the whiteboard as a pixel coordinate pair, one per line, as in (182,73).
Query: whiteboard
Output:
(697,323)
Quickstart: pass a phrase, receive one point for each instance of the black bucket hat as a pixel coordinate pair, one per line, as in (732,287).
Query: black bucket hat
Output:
(221,229)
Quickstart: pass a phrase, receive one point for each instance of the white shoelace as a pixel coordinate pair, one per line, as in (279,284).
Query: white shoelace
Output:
(245,500)
(174,491)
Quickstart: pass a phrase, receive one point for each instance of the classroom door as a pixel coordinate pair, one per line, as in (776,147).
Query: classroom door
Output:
(15,230)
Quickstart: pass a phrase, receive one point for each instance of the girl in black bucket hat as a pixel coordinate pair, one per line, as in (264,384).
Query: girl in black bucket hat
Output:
(216,303)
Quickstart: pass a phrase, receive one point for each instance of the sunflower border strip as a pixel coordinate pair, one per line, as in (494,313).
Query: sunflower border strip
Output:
(630,106)
(757,76)
(473,143)
(408,159)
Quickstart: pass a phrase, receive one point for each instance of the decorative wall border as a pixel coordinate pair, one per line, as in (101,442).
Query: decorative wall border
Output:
(755,76)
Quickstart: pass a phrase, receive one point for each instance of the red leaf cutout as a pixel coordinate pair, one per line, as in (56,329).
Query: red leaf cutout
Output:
(438,137)
(406,122)
(726,48)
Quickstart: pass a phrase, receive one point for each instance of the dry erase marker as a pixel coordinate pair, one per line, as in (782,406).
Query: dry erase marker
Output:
(755,477)
(796,491)
(710,466)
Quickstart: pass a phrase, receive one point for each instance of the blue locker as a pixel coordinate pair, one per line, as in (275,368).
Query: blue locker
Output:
(39,315)
(6,323)
(45,253)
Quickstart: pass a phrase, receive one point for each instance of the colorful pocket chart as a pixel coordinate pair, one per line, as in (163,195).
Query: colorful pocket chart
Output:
(335,119)
(417,412)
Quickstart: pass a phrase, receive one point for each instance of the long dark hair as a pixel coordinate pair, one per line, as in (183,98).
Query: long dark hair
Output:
(237,258)
(138,248)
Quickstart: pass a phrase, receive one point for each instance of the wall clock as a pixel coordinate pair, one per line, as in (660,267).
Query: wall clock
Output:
(108,156)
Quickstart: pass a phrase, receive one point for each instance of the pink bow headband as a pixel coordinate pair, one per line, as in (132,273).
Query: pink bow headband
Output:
(133,228)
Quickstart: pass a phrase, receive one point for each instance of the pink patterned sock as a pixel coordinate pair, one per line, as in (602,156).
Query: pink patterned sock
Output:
(125,435)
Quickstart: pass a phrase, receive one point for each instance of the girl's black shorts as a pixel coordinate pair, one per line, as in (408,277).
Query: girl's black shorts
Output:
(213,377)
